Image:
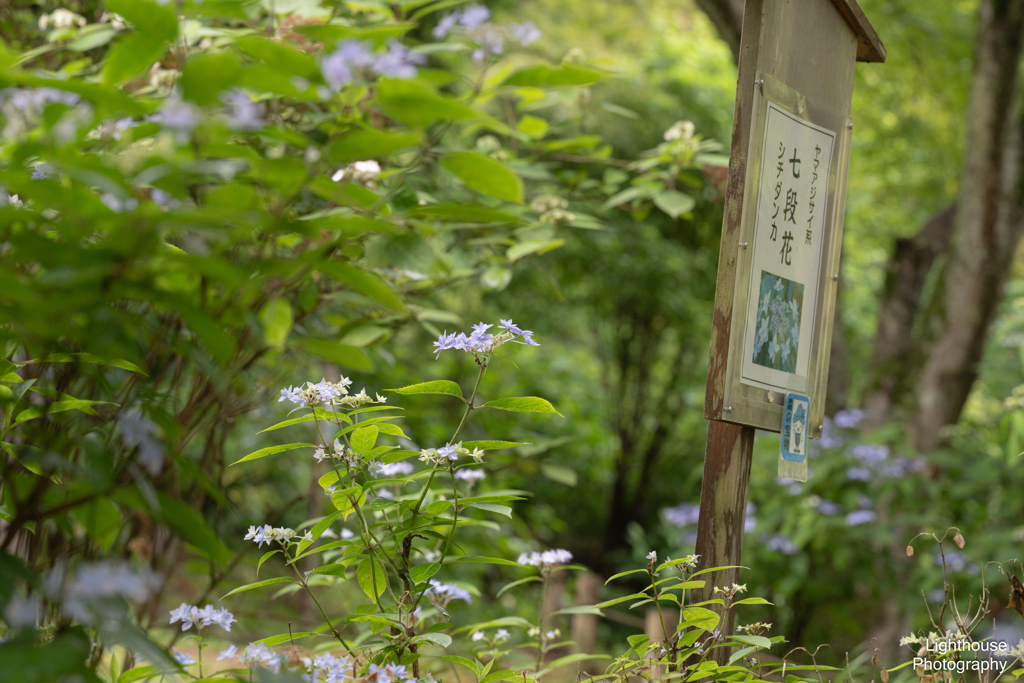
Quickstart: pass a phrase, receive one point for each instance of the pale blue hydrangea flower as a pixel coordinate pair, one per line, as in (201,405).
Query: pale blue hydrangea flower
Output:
(474,15)
(827,507)
(870,454)
(445,25)
(781,544)
(490,41)
(183,658)
(858,517)
(547,558)
(398,62)
(684,514)
(338,68)
(849,418)
(179,117)
(449,451)
(164,199)
(43,172)
(228,653)
(447,592)
(243,113)
(470,475)
(118,205)
(527,32)
(858,474)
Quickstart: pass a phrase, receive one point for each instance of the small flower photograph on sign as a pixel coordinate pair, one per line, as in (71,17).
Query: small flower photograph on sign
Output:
(778,322)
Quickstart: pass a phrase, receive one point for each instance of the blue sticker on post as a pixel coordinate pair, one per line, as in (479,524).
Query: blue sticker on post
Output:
(794,433)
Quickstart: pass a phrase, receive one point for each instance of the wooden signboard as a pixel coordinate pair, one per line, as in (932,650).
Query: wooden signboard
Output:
(781,237)
(779,264)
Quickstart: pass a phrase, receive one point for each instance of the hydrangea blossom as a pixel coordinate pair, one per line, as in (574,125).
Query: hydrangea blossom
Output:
(398,62)
(387,674)
(527,33)
(243,113)
(474,15)
(446,592)
(359,171)
(112,579)
(683,515)
(179,117)
(229,653)
(479,342)
(858,474)
(183,658)
(781,544)
(470,475)
(266,534)
(490,41)
(848,418)
(331,393)
(189,615)
(545,559)
(858,517)
(395,468)
(338,66)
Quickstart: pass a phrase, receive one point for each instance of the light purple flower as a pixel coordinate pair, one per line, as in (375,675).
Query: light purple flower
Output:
(186,614)
(179,117)
(849,418)
(858,474)
(684,514)
(870,454)
(395,468)
(470,475)
(398,62)
(474,15)
(183,658)
(446,24)
(858,517)
(527,32)
(490,41)
(243,113)
(781,544)
(228,653)
(449,591)
(338,67)
(827,507)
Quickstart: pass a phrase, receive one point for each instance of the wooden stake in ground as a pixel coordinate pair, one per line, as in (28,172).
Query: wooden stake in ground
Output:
(796,64)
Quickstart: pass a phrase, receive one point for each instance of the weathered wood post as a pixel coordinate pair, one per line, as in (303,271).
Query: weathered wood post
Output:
(781,237)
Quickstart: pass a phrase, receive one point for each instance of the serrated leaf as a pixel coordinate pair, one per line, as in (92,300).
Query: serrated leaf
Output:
(493,445)
(363,439)
(442,639)
(486,175)
(461,661)
(371,577)
(503,675)
(440,386)
(284,638)
(752,601)
(260,584)
(480,559)
(615,601)
(422,572)
(756,641)
(544,76)
(523,404)
(701,617)
(273,450)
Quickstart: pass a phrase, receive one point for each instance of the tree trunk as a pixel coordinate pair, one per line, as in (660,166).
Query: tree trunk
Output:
(727,17)
(986,227)
(905,278)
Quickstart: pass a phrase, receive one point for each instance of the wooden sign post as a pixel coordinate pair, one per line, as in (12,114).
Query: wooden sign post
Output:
(778,269)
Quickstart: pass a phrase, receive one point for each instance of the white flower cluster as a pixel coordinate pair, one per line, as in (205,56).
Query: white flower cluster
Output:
(731,591)
(267,534)
(551,208)
(548,558)
(190,614)
(331,393)
(479,342)
(500,636)
(443,593)
(680,130)
(358,171)
(95,582)
(340,452)
(449,453)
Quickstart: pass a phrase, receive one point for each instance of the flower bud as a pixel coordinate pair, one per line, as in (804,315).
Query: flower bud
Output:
(910,551)
(959,540)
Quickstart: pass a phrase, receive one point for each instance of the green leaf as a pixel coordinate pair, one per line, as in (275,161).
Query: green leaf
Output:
(493,445)
(480,559)
(485,174)
(57,407)
(156,21)
(285,637)
(138,674)
(499,509)
(261,584)
(277,322)
(88,358)
(465,213)
(340,354)
(272,450)
(422,572)
(437,507)
(461,661)
(442,639)
(371,578)
(266,556)
(504,675)
(440,386)
(752,601)
(131,55)
(289,423)
(523,404)
(101,520)
(674,203)
(363,439)
(570,659)
(626,573)
(580,609)
(363,282)
(414,103)
(371,144)
(639,643)
(559,473)
(547,76)
(508,586)
(756,641)
(701,617)
(615,601)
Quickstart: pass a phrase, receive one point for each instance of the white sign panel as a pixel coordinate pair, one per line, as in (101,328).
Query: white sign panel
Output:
(789,235)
